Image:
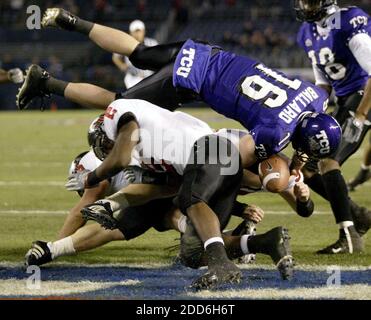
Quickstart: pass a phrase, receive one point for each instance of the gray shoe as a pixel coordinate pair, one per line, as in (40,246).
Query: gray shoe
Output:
(361,218)
(349,242)
(361,177)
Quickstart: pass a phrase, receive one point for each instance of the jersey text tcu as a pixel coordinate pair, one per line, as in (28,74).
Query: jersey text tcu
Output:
(186,63)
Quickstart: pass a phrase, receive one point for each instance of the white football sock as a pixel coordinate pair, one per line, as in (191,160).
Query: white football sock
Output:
(213,240)
(243,244)
(345,224)
(63,247)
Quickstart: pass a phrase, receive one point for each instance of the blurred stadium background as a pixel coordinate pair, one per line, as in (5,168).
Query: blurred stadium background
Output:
(263,29)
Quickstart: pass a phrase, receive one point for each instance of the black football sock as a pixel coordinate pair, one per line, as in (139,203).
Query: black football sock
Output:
(83,26)
(316,184)
(55,86)
(337,192)
(72,22)
(216,254)
(258,244)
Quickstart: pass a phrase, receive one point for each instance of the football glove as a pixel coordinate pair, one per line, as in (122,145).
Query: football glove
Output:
(137,175)
(352,130)
(77,181)
(16,75)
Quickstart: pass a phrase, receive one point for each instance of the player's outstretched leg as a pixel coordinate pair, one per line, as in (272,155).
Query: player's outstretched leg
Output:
(39,83)
(109,39)
(38,255)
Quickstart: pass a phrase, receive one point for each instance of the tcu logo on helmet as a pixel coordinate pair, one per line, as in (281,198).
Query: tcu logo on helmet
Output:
(186,63)
(320,143)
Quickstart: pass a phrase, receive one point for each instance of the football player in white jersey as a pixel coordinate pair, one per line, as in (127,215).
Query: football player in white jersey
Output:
(209,170)
(76,237)
(134,75)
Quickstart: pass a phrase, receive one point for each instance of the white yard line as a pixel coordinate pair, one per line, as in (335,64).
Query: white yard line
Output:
(357,292)
(32,183)
(51,212)
(157,265)
(15,287)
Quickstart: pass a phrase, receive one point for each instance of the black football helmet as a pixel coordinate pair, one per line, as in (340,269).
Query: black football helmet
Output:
(98,139)
(312,10)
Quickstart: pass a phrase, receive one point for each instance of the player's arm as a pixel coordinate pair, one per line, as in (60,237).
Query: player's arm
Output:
(360,46)
(74,220)
(119,157)
(119,62)
(365,105)
(248,212)
(321,80)
(299,199)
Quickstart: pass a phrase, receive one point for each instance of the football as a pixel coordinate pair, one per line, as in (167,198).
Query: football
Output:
(274,174)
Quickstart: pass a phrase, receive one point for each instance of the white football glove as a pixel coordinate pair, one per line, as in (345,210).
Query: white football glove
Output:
(76,181)
(16,75)
(352,130)
(137,175)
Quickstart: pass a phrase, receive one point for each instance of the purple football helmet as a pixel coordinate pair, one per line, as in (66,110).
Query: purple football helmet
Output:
(318,135)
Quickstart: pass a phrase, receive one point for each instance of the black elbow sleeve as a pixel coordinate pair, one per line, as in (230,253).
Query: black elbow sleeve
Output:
(238,209)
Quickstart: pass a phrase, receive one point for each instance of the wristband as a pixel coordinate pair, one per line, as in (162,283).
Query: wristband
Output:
(92,180)
(305,209)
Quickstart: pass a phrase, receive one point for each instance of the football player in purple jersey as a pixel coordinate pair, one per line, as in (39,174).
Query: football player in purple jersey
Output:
(338,43)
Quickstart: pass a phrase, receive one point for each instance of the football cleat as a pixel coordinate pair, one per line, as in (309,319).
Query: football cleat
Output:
(100,212)
(276,244)
(38,255)
(361,177)
(279,249)
(59,18)
(217,275)
(32,87)
(349,242)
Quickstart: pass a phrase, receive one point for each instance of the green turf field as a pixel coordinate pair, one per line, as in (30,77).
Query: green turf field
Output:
(36,151)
